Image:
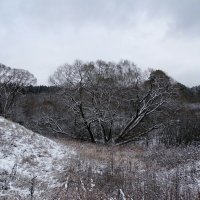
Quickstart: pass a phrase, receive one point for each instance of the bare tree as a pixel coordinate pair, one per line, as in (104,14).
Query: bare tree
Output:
(112,101)
(153,100)
(12,81)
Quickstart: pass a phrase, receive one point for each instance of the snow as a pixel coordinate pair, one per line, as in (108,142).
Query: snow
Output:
(24,155)
(28,159)
(121,195)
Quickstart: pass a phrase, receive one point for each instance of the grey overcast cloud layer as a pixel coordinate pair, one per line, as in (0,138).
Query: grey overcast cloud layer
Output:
(40,35)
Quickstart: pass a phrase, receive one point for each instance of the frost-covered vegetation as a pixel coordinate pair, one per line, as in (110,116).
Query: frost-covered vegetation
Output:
(28,161)
(109,103)
(33,167)
(103,130)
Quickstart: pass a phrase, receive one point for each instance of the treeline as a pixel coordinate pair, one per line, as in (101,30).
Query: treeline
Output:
(39,89)
(190,95)
(105,102)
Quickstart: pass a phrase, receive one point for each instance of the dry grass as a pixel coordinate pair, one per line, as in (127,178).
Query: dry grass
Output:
(142,173)
(101,152)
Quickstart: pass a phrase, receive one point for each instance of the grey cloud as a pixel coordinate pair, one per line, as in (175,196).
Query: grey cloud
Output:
(47,14)
(43,34)
(184,15)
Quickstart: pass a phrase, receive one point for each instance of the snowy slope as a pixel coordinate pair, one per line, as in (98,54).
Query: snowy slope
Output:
(29,163)
(33,167)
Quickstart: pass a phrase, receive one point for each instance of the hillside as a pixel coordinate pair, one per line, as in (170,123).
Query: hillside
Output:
(34,167)
(29,162)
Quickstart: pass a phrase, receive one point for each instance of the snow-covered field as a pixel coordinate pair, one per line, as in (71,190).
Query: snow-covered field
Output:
(29,163)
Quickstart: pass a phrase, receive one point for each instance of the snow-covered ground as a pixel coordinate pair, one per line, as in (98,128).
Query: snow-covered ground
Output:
(37,168)
(29,163)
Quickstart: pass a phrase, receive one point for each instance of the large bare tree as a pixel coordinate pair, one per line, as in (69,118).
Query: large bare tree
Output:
(112,101)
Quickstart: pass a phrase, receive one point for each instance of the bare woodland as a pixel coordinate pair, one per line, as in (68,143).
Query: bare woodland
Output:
(115,102)
(136,133)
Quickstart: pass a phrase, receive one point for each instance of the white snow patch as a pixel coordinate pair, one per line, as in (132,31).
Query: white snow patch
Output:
(24,155)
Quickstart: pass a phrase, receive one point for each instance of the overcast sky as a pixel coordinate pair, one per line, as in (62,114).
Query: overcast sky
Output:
(40,35)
